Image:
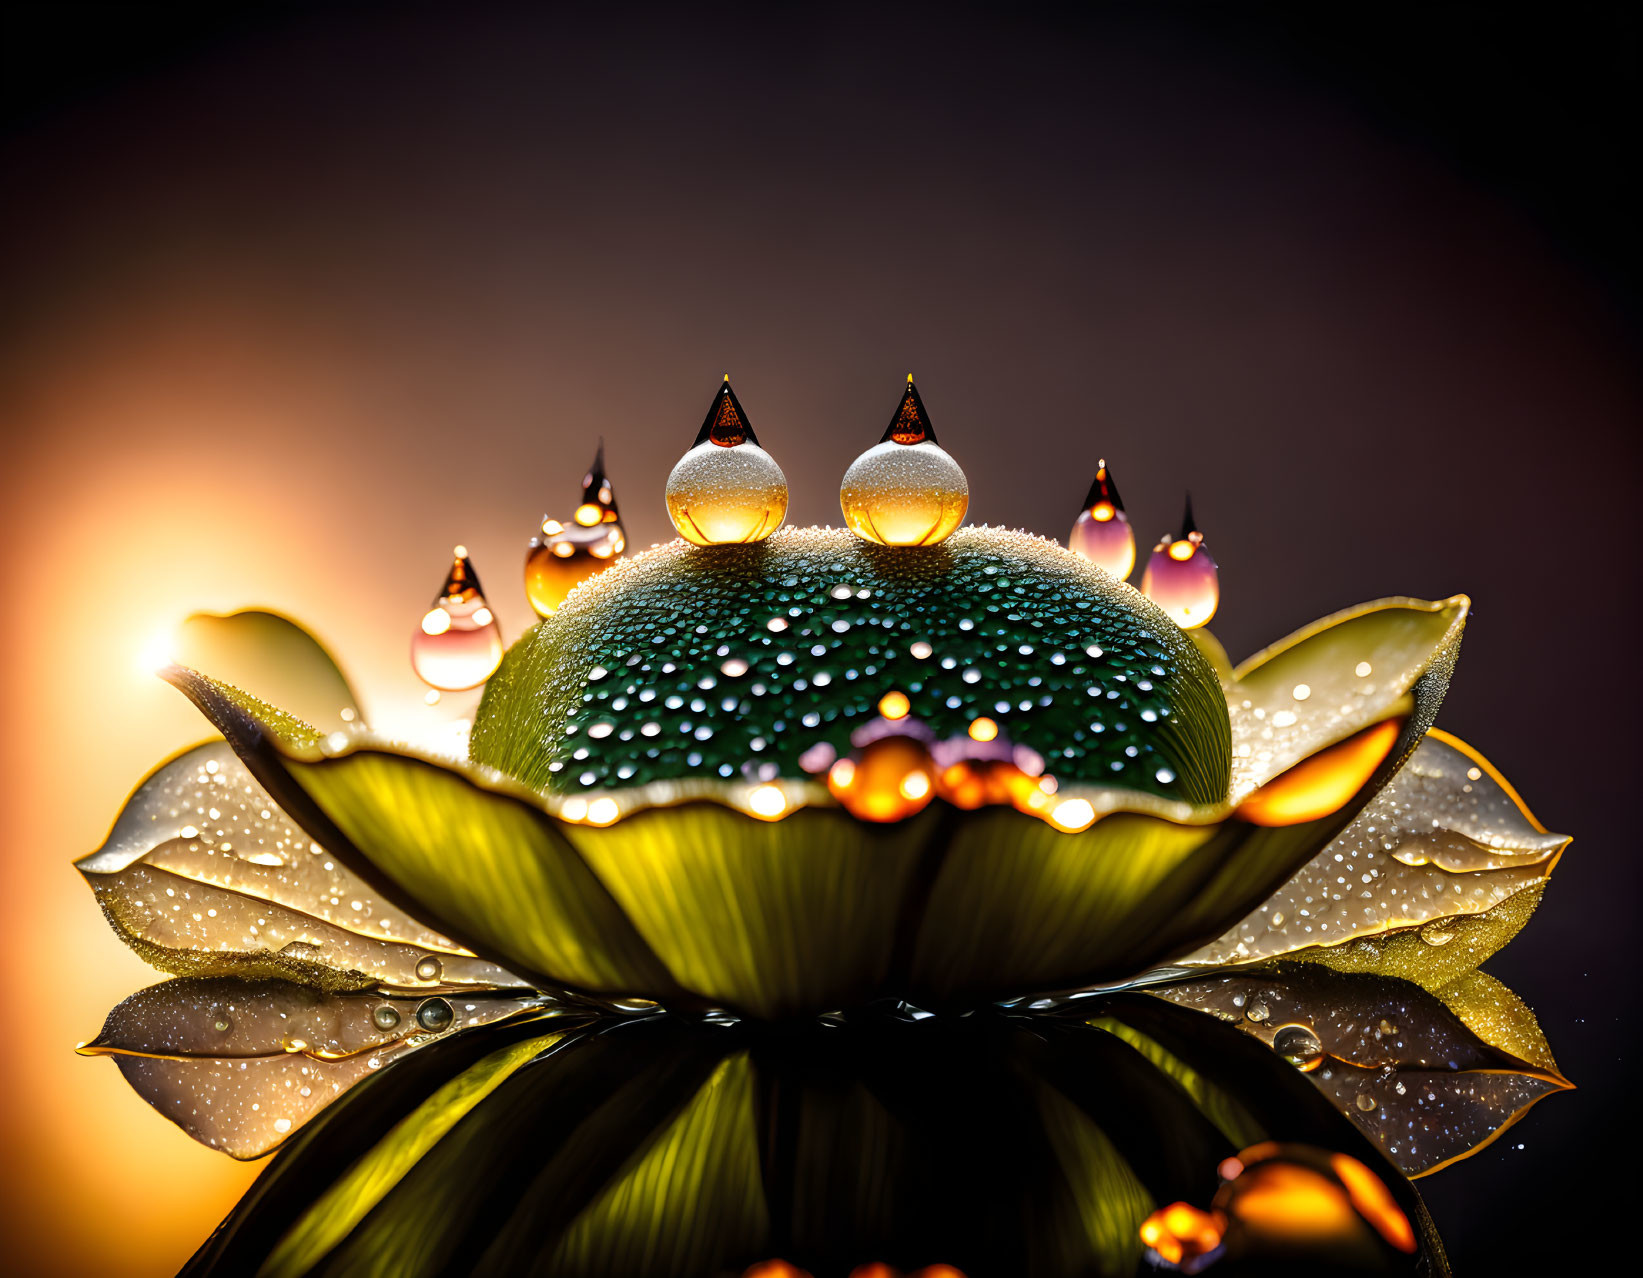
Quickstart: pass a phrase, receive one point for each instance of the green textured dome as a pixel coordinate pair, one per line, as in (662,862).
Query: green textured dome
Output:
(735,661)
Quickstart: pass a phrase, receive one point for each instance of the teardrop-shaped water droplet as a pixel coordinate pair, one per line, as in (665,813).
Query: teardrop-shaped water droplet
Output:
(568,552)
(1181,578)
(458,644)
(1102,532)
(726,489)
(906,490)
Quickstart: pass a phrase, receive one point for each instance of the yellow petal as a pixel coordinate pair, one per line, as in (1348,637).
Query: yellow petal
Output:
(1334,678)
(203,874)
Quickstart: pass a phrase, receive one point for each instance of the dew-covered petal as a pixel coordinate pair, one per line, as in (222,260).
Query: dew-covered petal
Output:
(245,1108)
(1334,678)
(204,874)
(1499,1017)
(240,1065)
(273,658)
(1017,905)
(1425,1119)
(1446,840)
(1427,1085)
(463,847)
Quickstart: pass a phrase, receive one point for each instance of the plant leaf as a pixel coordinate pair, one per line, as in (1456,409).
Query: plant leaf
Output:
(1439,853)
(203,874)
(664,1148)
(1305,692)
(1417,1078)
(272,657)
(240,1065)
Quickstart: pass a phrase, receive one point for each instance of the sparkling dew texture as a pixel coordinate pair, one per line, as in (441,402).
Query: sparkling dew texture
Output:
(711,662)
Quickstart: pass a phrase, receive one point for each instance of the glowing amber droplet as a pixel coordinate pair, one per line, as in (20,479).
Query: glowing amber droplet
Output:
(1374,1201)
(562,556)
(1318,785)
(1288,1196)
(894,778)
(1181,578)
(894,705)
(458,643)
(1102,532)
(1182,1233)
(906,490)
(726,489)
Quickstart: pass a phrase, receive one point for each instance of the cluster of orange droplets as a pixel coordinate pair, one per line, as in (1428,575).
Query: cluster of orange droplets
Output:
(1276,1199)
(903,491)
(896,776)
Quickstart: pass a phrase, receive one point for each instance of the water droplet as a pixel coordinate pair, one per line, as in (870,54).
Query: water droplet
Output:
(302,951)
(906,490)
(726,488)
(385,1016)
(565,554)
(1387,1027)
(1258,1011)
(1102,532)
(458,645)
(1438,932)
(1366,1102)
(429,969)
(222,1024)
(1181,578)
(1298,1045)
(434,1014)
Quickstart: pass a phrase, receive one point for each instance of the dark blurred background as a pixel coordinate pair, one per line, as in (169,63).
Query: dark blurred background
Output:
(294,296)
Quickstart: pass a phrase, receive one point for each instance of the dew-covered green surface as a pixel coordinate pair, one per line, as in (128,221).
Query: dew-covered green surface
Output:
(733,661)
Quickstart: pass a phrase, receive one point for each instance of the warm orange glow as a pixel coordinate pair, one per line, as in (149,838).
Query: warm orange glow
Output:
(1073,814)
(1182,1232)
(1319,785)
(767,801)
(774,1269)
(893,779)
(1285,1200)
(1374,1202)
(587,514)
(983,729)
(894,705)
(875,1269)
(1181,551)
(977,783)
(603,811)
(1102,511)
